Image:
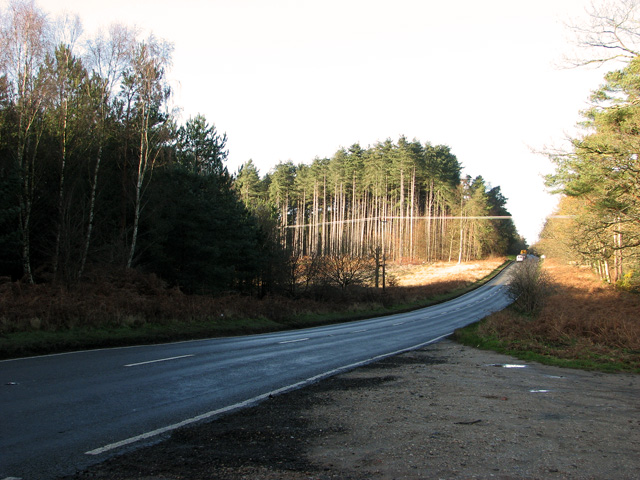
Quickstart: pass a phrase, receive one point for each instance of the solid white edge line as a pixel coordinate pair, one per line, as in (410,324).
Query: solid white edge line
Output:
(294,341)
(159,360)
(254,400)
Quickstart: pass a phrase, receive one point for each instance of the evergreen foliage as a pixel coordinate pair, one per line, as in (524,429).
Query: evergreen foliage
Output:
(97,174)
(405,196)
(198,234)
(601,174)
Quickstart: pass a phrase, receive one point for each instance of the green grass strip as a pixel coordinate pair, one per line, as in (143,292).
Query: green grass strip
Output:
(618,362)
(40,342)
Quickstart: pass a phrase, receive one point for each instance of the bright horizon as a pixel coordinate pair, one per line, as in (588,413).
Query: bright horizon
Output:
(295,80)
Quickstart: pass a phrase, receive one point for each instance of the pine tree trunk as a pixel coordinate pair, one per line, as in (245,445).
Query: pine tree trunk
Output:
(428,213)
(401,224)
(412,215)
(316,218)
(324,218)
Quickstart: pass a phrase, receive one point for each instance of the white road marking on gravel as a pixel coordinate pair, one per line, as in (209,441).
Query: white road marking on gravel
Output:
(159,360)
(294,341)
(257,399)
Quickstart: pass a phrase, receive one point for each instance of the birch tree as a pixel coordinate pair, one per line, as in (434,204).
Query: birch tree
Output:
(64,75)
(24,43)
(107,57)
(145,81)
(68,120)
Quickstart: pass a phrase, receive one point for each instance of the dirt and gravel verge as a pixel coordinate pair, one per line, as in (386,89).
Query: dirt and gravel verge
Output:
(445,411)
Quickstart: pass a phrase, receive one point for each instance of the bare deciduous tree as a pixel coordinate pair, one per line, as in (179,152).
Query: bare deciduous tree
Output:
(149,90)
(529,286)
(24,43)
(63,76)
(107,55)
(345,270)
(611,32)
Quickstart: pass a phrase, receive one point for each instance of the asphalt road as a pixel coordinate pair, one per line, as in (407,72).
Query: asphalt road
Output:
(61,413)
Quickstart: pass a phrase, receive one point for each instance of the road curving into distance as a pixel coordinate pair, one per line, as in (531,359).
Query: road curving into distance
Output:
(64,412)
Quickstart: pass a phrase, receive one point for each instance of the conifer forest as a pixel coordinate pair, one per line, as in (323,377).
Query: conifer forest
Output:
(98,172)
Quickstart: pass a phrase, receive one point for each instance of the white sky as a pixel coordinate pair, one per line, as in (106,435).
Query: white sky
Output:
(298,79)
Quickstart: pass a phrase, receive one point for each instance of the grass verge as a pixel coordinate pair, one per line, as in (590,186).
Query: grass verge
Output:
(37,320)
(28,343)
(583,324)
(595,359)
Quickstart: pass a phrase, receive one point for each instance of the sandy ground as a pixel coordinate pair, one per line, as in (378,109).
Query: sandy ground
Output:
(445,411)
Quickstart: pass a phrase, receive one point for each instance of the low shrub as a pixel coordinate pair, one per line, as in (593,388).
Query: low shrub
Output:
(582,320)
(529,286)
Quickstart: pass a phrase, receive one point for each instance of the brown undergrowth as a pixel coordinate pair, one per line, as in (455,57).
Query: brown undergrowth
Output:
(583,320)
(126,298)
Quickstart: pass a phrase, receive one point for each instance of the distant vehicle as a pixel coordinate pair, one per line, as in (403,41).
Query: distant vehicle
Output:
(520,258)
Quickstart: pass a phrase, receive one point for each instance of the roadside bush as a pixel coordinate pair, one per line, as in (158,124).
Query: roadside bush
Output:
(529,286)
(585,323)
(344,270)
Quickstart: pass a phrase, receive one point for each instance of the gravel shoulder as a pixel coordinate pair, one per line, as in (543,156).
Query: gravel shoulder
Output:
(445,411)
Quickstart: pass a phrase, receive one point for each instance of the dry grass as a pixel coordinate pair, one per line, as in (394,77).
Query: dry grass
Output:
(128,298)
(584,319)
(130,304)
(428,273)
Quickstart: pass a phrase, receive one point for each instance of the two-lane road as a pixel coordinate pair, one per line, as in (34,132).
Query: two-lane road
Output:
(63,412)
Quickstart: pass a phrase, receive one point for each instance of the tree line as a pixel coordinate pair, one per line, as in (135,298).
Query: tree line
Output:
(97,173)
(404,200)
(598,219)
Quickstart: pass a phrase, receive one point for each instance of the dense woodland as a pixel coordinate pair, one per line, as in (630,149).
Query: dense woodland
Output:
(97,173)
(405,200)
